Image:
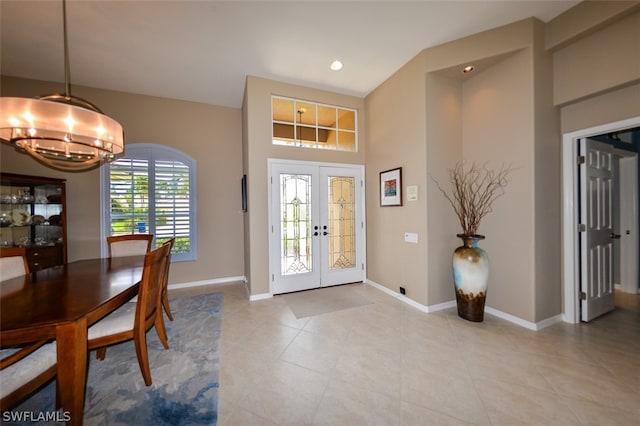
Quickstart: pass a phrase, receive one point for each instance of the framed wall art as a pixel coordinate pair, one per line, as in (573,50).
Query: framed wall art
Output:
(391,187)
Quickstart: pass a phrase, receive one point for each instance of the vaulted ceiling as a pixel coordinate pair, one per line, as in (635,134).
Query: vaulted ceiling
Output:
(202,50)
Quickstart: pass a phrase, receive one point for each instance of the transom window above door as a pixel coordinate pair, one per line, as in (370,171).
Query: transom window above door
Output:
(312,125)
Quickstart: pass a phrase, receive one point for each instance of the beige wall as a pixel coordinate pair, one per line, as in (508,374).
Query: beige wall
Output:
(606,108)
(259,148)
(443,120)
(497,129)
(547,177)
(395,114)
(600,61)
(210,134)
(508,112)
(597,76)
(492,116)
(586,18)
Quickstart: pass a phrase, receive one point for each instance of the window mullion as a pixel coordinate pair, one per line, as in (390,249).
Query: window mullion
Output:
(152,195)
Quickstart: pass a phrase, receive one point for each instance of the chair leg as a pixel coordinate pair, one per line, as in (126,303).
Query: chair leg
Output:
(140,341)
(101,353)
(160,329)
(165,304)
(58,403)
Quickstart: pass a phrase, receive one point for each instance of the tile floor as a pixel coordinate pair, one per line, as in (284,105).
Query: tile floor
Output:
(387,363)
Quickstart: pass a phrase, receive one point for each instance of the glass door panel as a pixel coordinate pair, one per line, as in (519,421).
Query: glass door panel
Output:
(341,204)
(295,216)
(341,212)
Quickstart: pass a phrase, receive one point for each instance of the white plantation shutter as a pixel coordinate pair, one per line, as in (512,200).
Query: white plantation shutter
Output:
(151,190)
(172,200)
(129,196)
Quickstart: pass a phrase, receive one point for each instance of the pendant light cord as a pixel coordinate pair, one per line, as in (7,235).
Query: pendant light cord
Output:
(66,96)
(67,85)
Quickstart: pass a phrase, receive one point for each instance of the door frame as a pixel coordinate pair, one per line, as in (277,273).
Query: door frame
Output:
(570,217)
(628,220)
(270,195)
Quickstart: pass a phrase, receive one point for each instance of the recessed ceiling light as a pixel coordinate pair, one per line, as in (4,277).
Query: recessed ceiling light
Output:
(467,69)
(336,65)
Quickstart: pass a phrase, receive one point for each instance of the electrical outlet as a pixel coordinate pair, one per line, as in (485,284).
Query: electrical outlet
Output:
(402,290)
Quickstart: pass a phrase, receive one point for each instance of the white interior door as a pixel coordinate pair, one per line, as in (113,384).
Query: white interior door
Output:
(596,214)
(316,226)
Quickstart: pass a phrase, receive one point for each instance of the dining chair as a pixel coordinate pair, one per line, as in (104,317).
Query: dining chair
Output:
(13,262)
(132,322)
(165,282)
(24,370)
(129,245)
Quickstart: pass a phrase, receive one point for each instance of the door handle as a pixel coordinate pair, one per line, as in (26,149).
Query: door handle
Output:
(615,236)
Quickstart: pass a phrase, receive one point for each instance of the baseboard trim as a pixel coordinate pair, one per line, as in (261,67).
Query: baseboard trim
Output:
(214,281)
(452,304)
(261,296)
(411,302)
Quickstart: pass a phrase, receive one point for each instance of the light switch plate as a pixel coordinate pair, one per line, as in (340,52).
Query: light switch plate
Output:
(412,193)
(411,237)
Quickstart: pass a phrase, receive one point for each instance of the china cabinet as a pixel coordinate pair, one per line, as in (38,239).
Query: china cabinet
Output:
(33,215)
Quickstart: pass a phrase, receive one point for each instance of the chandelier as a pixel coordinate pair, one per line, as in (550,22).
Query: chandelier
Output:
(62,131)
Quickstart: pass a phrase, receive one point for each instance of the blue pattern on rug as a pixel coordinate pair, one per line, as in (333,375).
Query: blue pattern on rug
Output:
(185,377)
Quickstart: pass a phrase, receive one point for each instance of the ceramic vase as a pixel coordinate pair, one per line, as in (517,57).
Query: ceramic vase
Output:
(470,276)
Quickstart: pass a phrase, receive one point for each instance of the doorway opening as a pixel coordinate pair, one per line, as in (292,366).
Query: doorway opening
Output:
(577,260)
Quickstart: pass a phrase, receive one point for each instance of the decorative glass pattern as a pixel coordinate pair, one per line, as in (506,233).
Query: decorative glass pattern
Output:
(295,216)
(342,222)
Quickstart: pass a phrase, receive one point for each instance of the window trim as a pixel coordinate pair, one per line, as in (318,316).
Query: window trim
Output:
(151,152)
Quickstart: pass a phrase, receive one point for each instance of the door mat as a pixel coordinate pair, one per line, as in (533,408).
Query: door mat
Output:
(320,301)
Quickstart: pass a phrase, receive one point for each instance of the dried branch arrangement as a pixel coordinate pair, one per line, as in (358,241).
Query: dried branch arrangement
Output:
(473,192)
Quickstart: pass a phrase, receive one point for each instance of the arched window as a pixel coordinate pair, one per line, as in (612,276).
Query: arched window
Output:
(151,190)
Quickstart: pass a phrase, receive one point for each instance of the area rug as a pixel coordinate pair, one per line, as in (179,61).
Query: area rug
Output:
(185,377)
(325,300)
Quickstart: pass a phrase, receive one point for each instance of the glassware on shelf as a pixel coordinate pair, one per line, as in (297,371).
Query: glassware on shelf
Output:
(5,219)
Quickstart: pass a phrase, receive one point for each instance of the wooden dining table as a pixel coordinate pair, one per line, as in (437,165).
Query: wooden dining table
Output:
(61,303)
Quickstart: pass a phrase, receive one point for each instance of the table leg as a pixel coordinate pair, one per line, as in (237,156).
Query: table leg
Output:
(72,368)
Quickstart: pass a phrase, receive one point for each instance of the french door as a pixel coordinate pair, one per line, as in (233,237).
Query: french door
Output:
(316,225)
